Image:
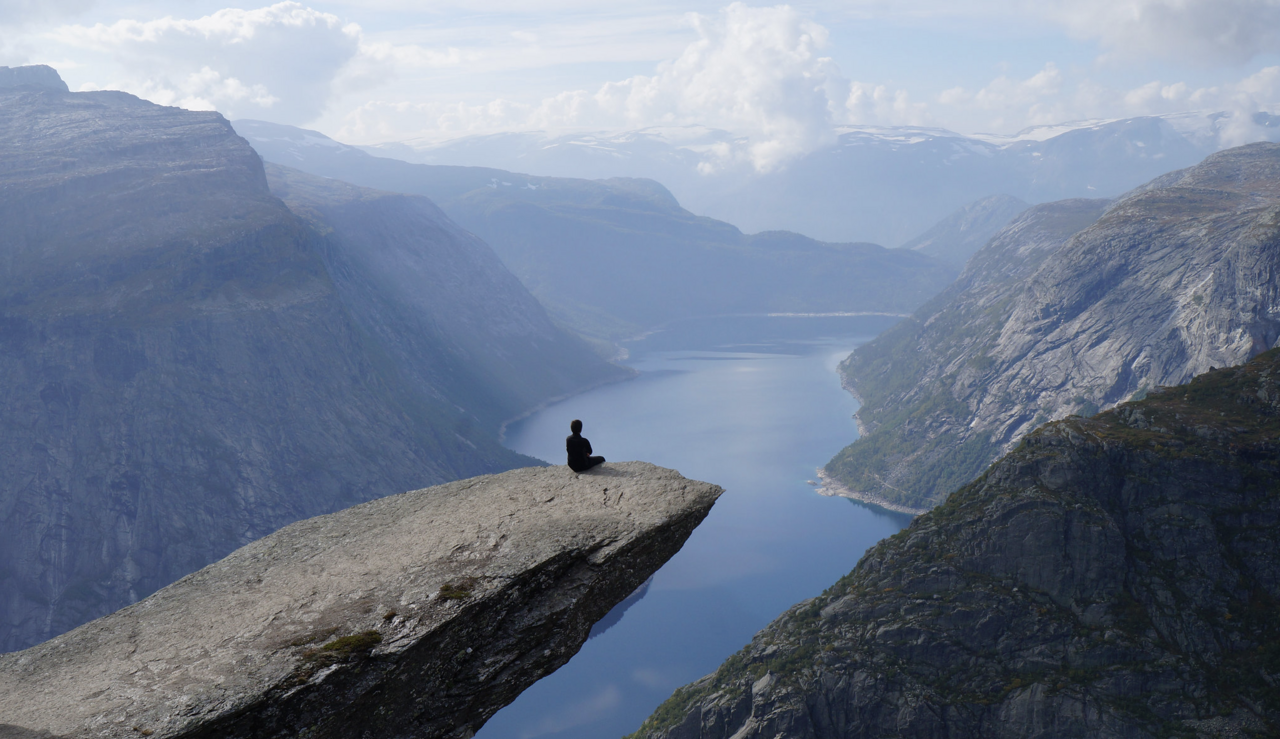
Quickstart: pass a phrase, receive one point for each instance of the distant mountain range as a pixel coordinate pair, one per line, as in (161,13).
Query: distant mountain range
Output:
(189,363)
(880,184)
(614,257)
(1074,307)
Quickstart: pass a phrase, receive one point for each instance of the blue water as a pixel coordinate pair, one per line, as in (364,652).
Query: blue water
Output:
(753,405)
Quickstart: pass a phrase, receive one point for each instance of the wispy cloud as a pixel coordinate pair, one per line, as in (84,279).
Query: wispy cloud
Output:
(1208,31)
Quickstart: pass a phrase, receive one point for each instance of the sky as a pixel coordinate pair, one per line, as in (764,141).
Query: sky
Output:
(784,76)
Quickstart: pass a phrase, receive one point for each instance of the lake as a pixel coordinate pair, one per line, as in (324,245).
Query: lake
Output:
(754,405)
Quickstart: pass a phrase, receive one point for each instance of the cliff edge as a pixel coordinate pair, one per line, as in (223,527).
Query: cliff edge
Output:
(1117,576)
(419,614)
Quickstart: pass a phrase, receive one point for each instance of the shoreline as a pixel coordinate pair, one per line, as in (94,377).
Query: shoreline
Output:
(832,488)
(502,428)
(848,387)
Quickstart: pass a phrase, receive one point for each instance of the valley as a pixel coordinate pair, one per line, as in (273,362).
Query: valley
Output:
(229,347)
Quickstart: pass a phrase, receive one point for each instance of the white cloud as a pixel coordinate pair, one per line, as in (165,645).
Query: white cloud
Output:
(1008,103)
(758,72)
(877,104)
(280,61)
(1210,31)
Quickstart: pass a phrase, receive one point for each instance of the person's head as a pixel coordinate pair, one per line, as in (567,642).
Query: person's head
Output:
(575,426)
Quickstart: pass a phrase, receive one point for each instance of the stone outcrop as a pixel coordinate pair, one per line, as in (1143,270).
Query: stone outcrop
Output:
(1068,314)
(187,369)
(1117,576)
(419,614)
(37,75)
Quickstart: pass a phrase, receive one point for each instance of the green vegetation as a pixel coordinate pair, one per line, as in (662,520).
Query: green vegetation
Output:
(345,649)
(459,590)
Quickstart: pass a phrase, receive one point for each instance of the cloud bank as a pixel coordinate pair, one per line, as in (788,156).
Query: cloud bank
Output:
(758,72)
(282,61)
(763,73)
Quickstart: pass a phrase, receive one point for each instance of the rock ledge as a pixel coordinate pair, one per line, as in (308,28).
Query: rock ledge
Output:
(417,615)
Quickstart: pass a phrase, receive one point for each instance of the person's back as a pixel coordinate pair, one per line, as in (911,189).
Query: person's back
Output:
(579,449)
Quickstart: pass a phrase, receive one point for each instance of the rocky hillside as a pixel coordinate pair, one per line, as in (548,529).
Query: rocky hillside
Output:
(613,257)
(185,371)
(955,238)
(417,615)
(1117,576)
(1174,278)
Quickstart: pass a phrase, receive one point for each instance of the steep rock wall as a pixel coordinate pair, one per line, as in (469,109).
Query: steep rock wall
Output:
(1117,576)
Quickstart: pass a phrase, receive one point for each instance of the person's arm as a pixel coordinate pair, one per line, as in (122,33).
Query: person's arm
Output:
(588,445)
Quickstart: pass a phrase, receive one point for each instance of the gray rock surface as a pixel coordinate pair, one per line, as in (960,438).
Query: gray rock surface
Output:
(1174,278)
(185,370)
(36,75)
(955,238)
(418,615)
(1112,577)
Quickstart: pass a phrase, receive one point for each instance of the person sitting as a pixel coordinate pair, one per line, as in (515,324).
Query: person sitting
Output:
(579,449)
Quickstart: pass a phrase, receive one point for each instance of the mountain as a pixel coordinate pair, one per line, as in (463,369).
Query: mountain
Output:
(1057,317)
(613,257)
(189,365)
(1116,576)
(955,238)
(872,183)
(417,615)
(450,315)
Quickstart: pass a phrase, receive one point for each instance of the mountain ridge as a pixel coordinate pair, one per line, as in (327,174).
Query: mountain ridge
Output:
(1115,576)
(612,258)
(182,373)
(1171,279)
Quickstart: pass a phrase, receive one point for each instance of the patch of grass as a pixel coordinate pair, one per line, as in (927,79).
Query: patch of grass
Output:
(344,649)
(458,590)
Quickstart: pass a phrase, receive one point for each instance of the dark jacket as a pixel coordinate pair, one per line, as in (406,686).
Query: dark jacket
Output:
(579,450)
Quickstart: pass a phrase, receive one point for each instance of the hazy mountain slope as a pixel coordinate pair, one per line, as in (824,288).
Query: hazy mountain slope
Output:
(182,375)
(1174,278)
(609,257)
(639,257)
(1111,577)
(955,238)
(439,300)
(880,184)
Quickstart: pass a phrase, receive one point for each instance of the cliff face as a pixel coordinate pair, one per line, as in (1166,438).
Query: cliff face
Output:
(916,446)
(182,373)
(439,300)
(417,615)
(1172,279)
(1117,576)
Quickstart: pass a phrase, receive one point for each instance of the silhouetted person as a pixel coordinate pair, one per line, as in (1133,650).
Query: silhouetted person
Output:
(579,449)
